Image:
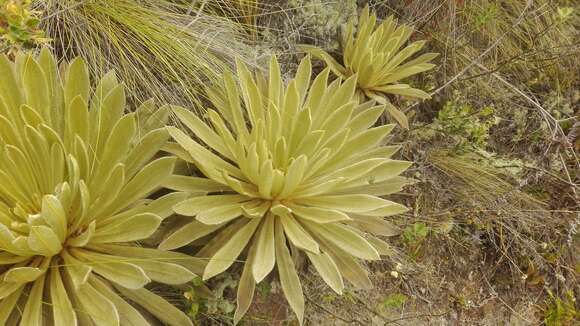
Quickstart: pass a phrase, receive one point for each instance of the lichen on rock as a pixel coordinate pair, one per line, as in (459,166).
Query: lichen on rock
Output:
(319,21)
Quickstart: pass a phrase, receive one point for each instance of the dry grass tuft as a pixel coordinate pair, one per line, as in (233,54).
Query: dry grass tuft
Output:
(159,48)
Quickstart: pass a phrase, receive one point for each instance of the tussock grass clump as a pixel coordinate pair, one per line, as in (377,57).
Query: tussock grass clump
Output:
(75,172)
(481,182)
(161,49)
(296,169)
(528,42)
(245,12)
(514,221)
(538,42)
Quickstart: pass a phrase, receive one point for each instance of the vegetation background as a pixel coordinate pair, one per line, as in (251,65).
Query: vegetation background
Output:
(492,237)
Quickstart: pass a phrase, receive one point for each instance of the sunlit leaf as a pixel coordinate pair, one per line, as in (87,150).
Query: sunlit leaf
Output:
(280,171)
(75,173)
(374,54)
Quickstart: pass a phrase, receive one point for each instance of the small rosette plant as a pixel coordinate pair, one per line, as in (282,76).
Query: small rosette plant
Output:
(376,54)
(75,172)
(287,170)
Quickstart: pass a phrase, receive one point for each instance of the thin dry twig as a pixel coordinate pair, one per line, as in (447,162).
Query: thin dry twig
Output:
(321,307)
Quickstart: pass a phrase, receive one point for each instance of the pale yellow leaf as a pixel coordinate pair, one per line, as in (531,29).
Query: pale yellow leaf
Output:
(288,277)
(62,308)
(157,306)
(265,256)
(226,255)
(32,314)
(328,270)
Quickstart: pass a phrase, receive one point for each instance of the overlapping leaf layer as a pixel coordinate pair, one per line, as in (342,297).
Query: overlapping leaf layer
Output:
(289,169)
(75,172)
(376,54)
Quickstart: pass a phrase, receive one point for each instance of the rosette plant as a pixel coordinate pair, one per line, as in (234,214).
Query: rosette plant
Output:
(75,172)
(287,170)
(376,55)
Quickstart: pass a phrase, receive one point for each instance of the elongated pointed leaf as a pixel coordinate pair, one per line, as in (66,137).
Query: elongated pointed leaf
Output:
(136,227)
(288,276)
(101,310)
(32,314)
(157,306)
(54,214)
(220,214)
(22,274)
(128,315)
(166,273)
(265,255)
(226,255)
(349,268)
(345,239)
(297,235)
(199,128)
(138,254)
(195,205)
(327,268)
(147,180)
(318,215)
(347,203)
(246,287)
(187,234)
(62,308)
(115,269)
(8,303)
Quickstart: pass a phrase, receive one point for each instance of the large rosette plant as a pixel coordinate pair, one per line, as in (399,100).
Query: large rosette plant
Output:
(75,172)
(287,170)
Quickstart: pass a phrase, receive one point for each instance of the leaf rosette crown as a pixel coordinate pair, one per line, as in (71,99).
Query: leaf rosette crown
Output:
(75,173)
(289,169)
